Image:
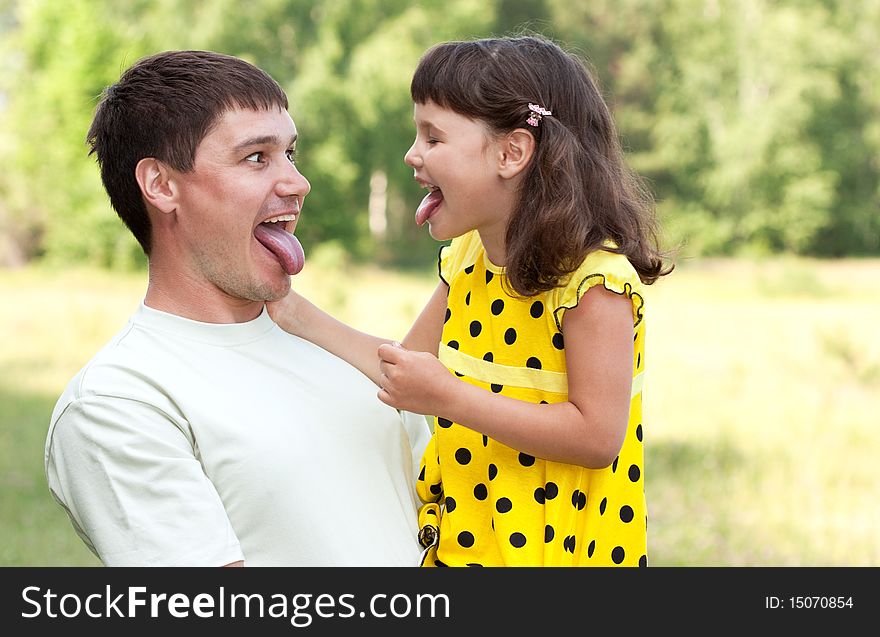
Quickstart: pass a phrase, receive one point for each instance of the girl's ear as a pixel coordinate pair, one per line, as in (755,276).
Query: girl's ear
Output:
(154,179)
(517,149)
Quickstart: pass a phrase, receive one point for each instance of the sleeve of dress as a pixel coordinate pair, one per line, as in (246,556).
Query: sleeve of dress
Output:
(612,271)
(459,254)
(133,489)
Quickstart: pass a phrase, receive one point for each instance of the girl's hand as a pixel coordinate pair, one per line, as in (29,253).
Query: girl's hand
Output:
(285,312)
(413,381)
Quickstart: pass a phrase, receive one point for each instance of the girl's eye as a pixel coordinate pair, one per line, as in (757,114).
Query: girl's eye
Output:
(432,141)
(256,158)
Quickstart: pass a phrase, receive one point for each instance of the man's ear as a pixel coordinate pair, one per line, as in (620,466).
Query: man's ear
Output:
(154,179)
(516,151)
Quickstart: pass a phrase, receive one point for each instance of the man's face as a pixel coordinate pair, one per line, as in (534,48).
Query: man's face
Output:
(243,175)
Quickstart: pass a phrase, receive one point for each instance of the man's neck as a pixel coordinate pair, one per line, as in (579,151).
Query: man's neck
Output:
(198,301)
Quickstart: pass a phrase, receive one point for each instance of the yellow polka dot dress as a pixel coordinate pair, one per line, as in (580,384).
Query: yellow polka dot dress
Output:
(486,504)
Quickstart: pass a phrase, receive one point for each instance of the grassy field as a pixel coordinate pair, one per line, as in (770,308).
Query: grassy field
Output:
(762,401)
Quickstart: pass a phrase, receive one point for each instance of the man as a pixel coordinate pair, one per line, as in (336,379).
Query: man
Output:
(203,434)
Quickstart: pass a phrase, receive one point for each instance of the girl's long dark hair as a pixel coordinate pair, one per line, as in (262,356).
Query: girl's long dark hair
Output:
(578,191)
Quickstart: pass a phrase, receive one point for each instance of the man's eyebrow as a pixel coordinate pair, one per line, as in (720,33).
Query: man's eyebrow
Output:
(263,140)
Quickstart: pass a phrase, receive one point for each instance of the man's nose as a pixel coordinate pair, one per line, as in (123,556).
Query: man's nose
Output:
(293,183)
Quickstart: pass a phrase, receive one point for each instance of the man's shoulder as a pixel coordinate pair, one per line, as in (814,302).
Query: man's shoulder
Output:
(109,359)
(117,368)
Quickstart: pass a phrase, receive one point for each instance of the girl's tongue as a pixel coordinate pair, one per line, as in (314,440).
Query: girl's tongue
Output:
(428,206)
(286,247)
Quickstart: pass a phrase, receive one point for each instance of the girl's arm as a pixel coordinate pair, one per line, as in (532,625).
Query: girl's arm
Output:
(424,335)
(297,315)
(586,430)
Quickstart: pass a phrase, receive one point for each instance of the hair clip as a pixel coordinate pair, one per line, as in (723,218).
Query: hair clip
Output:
(538,113)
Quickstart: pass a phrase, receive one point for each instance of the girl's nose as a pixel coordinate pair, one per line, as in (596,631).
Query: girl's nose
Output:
(412,158)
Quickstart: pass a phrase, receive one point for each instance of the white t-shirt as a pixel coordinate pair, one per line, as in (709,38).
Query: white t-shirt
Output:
(187,443)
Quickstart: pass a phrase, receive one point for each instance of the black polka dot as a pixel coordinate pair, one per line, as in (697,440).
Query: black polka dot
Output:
(533,362)
(436,489)
(602,505)
(549,533)
(551,490)
(517,540)
(450,504)
(526,460)
(453,344)
(443,422)
(488,356)
(643,561)
(497,307)
(485,440)
(422,474)
(476,328)
(544,402)
(481,492)
(439,563)
(493,471)
(569,543)
(578,499)
(591,548)
(618,554)
(558,341)
(638,360)
(634,473)
(489,276)
(466,539)
(626,513)
(459,374)
(503,505)
(469,269)
(537,309)
(496,388)
(448,315)
(614,465)
(462,455)
(467,298)
(639,433)
(540,495)
(510,336)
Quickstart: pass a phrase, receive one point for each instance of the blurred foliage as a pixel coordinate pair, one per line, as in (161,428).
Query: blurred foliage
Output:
(756,123)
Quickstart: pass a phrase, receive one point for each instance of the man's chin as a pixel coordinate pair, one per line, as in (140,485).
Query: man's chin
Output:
(277,291)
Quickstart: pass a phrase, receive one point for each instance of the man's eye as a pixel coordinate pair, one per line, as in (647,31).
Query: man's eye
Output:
(291,155)
(255,157)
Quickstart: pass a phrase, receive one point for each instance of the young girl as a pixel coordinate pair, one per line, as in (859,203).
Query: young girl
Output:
(530,352)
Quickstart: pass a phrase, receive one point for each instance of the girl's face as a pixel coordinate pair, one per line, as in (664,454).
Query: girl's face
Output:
(456,159)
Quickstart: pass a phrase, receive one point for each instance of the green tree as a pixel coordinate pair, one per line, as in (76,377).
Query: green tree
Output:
(755,122)
(731,110)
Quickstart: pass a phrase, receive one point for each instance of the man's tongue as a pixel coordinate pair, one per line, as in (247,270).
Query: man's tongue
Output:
(428,206)
(283,245)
